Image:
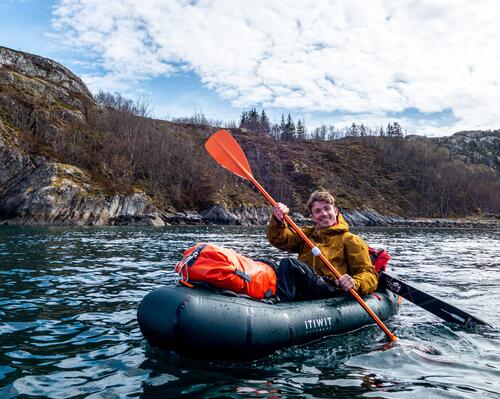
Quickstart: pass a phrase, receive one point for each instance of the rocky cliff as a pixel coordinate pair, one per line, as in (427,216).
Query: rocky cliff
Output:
(474,147)
(40,95)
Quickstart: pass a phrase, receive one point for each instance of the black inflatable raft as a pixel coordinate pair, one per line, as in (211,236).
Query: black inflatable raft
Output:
(201,323)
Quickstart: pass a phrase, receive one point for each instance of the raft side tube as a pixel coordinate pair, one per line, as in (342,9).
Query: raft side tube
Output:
(204,324)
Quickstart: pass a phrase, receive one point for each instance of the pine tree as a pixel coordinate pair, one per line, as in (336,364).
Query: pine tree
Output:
(265,126)
(362,130)
(243,119)
(397,129)
(389,130)
(353,130)
(283,128)
(290,128)
(301,131)
(253,120)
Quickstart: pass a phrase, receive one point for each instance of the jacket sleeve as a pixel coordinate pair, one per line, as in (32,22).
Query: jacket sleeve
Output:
(283,237)
(361,269)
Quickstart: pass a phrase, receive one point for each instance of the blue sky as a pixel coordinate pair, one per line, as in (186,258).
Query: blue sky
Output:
(433,66)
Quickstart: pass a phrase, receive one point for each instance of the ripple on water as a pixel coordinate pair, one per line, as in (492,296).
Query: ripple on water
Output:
(408,365)
(68,300)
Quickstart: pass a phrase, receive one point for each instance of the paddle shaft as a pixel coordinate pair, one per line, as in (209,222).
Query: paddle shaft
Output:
(308,242)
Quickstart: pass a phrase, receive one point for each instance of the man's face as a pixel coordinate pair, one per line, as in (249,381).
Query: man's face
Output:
(323,214)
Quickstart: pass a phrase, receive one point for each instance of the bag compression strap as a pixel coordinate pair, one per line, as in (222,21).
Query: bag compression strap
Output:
(189,261)
(192,257)
(243,275)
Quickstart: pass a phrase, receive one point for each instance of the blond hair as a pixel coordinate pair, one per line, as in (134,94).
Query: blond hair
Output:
(320,195)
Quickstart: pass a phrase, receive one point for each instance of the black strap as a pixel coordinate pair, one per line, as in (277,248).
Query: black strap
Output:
(243,275)
(192,257)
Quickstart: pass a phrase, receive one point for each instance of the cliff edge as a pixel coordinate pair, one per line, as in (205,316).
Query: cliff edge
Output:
(41,98)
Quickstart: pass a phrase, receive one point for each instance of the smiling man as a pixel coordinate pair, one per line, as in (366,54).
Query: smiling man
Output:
(308,277)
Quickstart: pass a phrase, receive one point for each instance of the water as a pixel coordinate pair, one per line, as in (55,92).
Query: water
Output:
(68,329)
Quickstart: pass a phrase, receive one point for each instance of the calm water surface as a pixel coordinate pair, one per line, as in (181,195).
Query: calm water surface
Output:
(68,329)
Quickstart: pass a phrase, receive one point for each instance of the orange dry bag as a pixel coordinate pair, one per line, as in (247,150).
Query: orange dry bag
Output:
(226,269)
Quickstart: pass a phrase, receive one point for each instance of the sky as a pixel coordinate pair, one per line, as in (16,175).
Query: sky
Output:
(433,66)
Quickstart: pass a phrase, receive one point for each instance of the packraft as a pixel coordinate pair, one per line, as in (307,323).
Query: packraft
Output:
(226,269)
(208,323)
(204,323)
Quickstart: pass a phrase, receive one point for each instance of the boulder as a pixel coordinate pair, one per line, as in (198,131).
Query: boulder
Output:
(42,68)
(186,217)
(218,214)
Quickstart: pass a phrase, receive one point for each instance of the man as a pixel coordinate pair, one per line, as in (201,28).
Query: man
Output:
(347,253)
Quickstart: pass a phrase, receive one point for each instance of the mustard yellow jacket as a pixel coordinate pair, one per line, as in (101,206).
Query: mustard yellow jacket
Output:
(347,252)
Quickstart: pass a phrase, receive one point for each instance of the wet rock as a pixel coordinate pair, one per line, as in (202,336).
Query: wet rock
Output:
(367,217)
(187,217)
(59,194)
(243,215)
(252,215)
(301,220)
(356,218)
(218,214)
(135,220)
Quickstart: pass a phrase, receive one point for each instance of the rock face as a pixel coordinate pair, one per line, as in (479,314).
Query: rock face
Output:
(35,189)
(38,67)
(259,216)
(474,147)
(59,194)
(370,217)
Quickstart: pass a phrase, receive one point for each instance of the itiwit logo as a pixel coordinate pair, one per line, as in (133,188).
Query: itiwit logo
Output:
(317,325)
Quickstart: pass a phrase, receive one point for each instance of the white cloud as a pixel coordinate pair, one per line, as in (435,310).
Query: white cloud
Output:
(369,58)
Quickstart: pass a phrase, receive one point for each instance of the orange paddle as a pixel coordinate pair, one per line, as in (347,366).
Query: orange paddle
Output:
(228,153)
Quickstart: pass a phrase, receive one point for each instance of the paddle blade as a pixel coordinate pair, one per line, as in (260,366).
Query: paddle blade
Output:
(430,303)
(228,153)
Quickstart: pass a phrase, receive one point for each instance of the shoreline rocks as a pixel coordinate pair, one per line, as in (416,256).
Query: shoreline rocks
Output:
(259,216)
(449,223)
(65,205)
